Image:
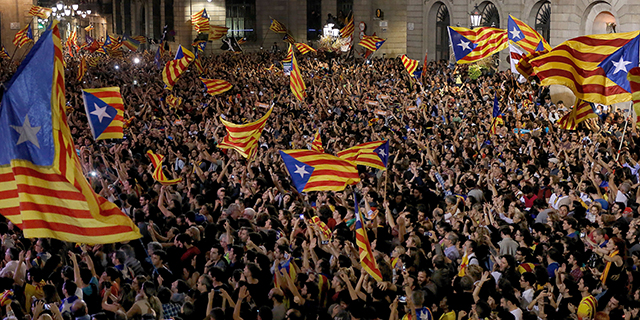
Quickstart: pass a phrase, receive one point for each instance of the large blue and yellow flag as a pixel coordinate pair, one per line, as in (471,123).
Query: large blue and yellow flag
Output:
(105,112)
(594,67)
(473,45)
(42,188)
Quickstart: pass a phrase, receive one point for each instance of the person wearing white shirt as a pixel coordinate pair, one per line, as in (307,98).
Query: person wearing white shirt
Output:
(11,260)
(510,302)
(527,280)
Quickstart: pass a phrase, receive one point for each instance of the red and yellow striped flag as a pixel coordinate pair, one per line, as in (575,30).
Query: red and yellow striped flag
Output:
(304,48)
(296,82)
(82,68)
(409,64)
(88,28)
(524,65)
(198,65)
(217,32)
(326,233)
(581,111)
(348,28)
(372,43)
(93,61)
(526,37)
(173,69)
(497,121)
(200,21)
(23,36)
(367,260)
(316,144)
(173,101)
(244,137)
(372,154)
(40,12)
(474,45)
(289,55)
(105,111)
(42,186)
(140,39)
(3,53)
(158,173)
(594,67)
(215,86)
(634,83)
(277,26)
(317,171)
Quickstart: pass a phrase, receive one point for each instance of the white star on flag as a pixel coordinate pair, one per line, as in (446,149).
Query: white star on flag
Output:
(621,65)
(301,171)
(382,153)
(101,113)
(515,33)
(464,45)
(27,132)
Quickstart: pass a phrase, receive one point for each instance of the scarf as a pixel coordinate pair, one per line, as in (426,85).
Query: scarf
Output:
(605,273)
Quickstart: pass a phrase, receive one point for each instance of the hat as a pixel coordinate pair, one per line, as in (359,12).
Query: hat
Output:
(628,210)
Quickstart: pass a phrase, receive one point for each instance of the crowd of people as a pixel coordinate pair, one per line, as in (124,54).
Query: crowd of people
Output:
(528,222)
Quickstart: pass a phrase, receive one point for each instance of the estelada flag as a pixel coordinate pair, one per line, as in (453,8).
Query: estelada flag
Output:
(105,112)
(43,189)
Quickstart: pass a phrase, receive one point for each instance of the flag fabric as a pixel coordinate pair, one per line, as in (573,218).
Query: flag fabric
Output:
(158,59)
(288,268)
(474,45)
(82,68)
(215,86)
(244,137)
(304,48)
(367,260)
(4,54)
(116,54)
(289,56)
(277,26)
(105,111)
(348,28)
(316,144)
(217,32)
(409,64)
(174,68)
(173,101)
(200,21)
(93,61)
(594,67)
(40,12)
(198,65)
(462,270)
(296,82)
(496,115)
(140,39)
(200,45)
(23,36)
(130,43)
(44,191)
(524,67)
(72,40)
(111,43)
(326,233)
(515,55)
(581,111)
(317,171)
(634,84)
(158,173)
(526,37)
(373,154)
(88,28)
(372,43)
(289,38)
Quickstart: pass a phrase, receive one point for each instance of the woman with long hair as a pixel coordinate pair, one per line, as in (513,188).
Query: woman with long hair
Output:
(614,254)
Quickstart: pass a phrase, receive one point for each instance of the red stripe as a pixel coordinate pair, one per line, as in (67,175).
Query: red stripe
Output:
(62,227)
(572,52)
(46,209)
(337,173)
(569,64)
(247,128)
(479,36)
(42,191)
(324,183)
(587,88)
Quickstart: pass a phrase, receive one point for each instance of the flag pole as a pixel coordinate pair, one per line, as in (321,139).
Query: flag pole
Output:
(624,131)
(266,33)
(27,50)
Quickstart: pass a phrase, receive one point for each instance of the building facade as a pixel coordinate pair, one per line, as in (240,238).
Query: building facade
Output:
(414,27)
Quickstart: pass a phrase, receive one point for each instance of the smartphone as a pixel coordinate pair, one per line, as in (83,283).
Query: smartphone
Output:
(324,242)
(301,216)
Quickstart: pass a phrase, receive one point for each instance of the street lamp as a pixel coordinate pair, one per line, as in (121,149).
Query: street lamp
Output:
(74,7)
(88,11)
(60,6)
(475,17)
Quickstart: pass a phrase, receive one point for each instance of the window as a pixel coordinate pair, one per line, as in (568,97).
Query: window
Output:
(241,19)
(543,20)
(490,16)
(168,19)
(314,19)
(442,36)
(344,8)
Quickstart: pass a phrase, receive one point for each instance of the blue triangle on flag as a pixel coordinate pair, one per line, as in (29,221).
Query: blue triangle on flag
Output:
(300,172)
(617,65)
(461,45)
(100,114)
(540,46)
(515,33)
(383,152)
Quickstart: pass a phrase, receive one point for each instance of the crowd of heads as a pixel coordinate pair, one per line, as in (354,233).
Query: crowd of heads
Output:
(529,221)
